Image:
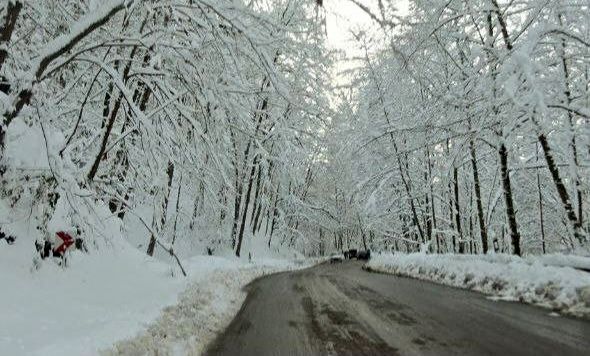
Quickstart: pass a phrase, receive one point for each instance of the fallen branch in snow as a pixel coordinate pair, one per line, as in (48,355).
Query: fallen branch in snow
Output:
(168,249)
(173,254)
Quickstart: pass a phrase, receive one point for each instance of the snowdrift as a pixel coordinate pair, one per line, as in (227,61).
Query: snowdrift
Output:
(114,293)
(204,309)
(533,280)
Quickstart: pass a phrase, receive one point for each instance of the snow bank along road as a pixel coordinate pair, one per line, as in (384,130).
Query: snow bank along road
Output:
(341,309)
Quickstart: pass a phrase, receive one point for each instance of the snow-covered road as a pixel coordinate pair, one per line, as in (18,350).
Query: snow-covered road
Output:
(342,309)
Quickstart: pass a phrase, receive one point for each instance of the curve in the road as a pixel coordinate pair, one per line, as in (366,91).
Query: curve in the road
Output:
(340,309)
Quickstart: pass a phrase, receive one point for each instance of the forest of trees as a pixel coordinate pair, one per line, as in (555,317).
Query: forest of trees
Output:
(204,113)
(466,127)
(472,125)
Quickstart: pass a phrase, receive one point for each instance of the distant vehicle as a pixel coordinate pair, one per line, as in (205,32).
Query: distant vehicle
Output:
(350,254)
(336,259)
(364,255)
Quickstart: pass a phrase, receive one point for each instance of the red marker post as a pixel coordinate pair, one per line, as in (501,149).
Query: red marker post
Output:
(67,241)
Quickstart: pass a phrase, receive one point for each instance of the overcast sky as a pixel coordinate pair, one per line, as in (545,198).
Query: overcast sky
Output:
(341,17)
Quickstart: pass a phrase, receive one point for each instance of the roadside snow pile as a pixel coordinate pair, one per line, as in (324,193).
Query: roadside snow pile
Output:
(560,260)
(205,308)
(101,297)
(110,294)
(562,289)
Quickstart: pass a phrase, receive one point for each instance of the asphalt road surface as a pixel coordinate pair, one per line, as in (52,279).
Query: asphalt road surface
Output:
(340,309)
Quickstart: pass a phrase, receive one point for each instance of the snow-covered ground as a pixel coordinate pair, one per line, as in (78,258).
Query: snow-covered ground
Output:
(115,293)
(561,260)
(532,280)
(204,309)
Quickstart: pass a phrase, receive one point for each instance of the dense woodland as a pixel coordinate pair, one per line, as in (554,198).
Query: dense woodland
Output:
(203,124)
(473,123)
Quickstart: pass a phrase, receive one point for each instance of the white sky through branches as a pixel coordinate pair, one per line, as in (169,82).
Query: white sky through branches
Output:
(342,17)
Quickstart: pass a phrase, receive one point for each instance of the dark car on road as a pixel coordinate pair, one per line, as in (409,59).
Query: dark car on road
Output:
(336,259)
(364,255)
(350,254)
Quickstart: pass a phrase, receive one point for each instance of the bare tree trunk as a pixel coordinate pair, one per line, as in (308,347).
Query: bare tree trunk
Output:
(476,184)
(264,205)
(238,190)
(458,210)
(275,214)
(451,205)
(257,190)
(246,205)
(191,225)
(222,211)
(568,97)
(12,11)
(176,211)
(237,203)
(406,184)
(579,233)
(427,182)
(142,102)
(509,201)
(471,237)
(503,26)
(113,114)
(257,224)
(105,139)
(257,203)
(362,232)
(432,207)
(451,217)
(259,116)
(152,243)
(267,221)
(541,218)
(199,199)
(503,151)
